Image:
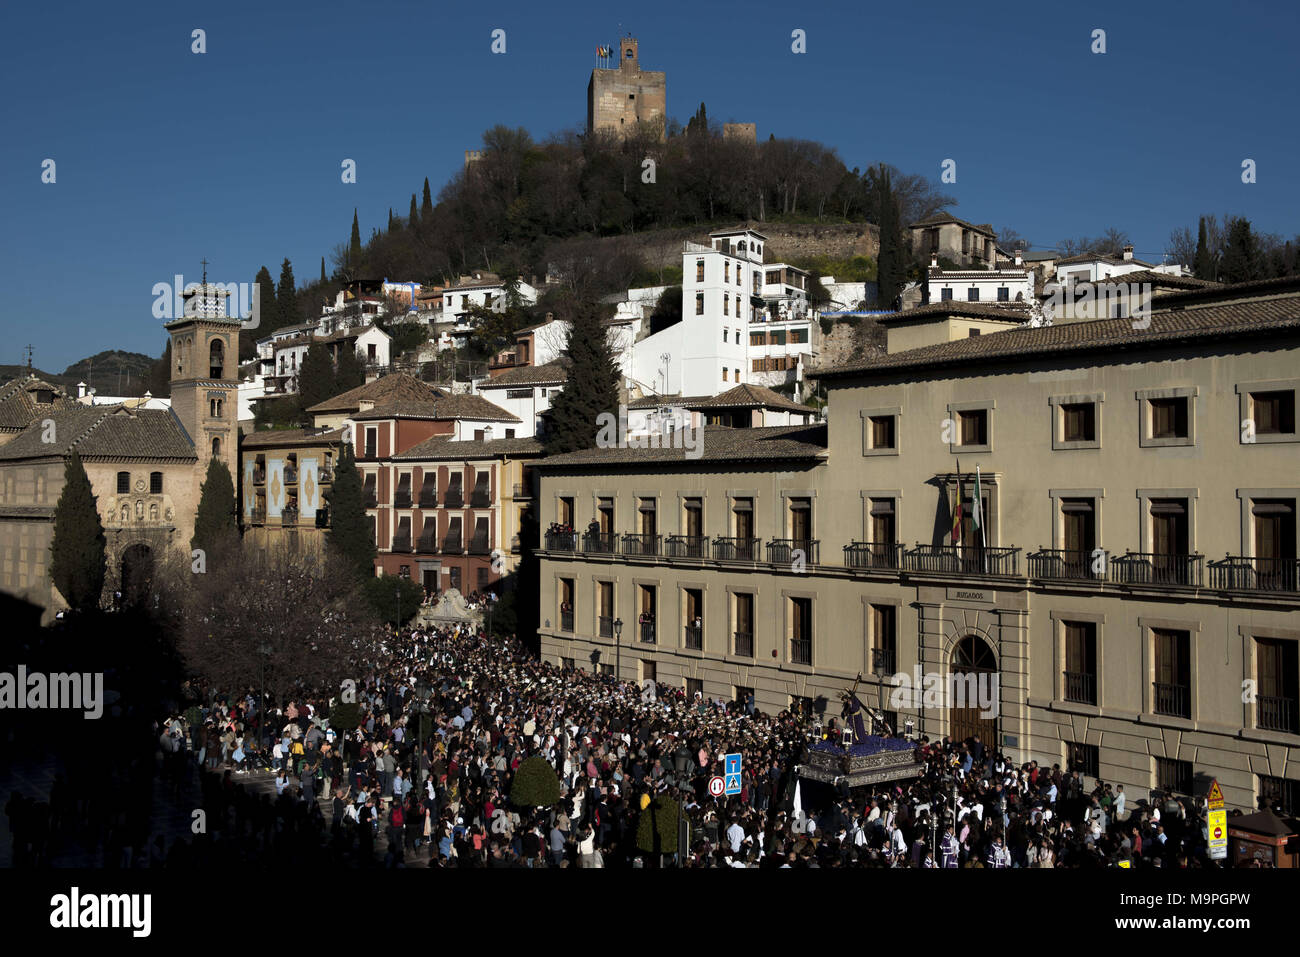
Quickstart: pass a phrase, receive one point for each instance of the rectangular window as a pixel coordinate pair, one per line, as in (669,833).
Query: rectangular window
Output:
(699,270)
(882,431)
(699,303)
(757,339)
(1277,673)
(1273,412)
(519,393)
(883,527)
(726,303)
(1080,678)
(744,625)
(1084,758)
(801,631)
(155,483)
(1169,418)
(725,330)
(974,427)
(123,482)
(945,295)
(726,270)
(1004,294)
(884,639)
(647,614)
(1280,794)
(1172,690)
(372,442)
(973,294)
(694,615)
(1173,775)
(566,604)
(801,529)
(1079,421)
(694,686)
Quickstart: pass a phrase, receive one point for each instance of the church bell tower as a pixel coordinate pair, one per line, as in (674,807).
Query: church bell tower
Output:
(204,374)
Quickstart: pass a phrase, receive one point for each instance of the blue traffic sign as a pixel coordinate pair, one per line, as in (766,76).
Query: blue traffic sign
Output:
(731,771)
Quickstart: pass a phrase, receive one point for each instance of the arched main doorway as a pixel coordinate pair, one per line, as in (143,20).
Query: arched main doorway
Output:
(137,573)
(973,656)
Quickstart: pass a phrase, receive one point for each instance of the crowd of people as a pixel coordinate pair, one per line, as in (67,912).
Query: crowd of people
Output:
(421,772)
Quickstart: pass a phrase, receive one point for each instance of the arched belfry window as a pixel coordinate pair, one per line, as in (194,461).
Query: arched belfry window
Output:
(216,359)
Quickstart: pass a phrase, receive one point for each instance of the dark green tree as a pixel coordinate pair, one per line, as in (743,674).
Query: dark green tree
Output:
(77,551)
(351,529)
(1242,261)
(354,245)
(1203,264)
(393,595)
(593,384)
(535,783)
(214,522)
(159,382)
(286,297)
(267,310)
(426,206)
(413,218)
(656,831)
(322,271)
(891,267)
(350,372)
(316,377)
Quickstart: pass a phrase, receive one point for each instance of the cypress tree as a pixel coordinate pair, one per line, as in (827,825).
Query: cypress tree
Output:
(286,298)
(891,265)
(322,270)
(351,529)
(316,376)
(413,218)
(77,551)
(592,386)
(350,373)
(1203,264)
(1241,255)
(426,207)
(266,304)
(354,246)
(214,522)
(390,219)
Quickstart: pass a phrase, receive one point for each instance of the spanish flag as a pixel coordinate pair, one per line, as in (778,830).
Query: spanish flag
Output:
(957,509)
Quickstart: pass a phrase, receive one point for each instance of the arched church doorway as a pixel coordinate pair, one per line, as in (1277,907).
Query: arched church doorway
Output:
(137,573)
(972,658)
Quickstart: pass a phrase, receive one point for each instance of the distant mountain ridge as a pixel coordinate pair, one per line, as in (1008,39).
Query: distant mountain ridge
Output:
(110,372)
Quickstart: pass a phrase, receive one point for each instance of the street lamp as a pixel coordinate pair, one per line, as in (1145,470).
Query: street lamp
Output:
(618,648)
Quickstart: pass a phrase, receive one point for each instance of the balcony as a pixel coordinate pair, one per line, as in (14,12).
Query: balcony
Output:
(259,476)
(561,541)
(687,546)
(964,559)
(647,632)
(1171,699)
(566,621)
(289,516)
(322,518)
(695,637)
(801,651)
(401,543)
(1151,568)
(600,543)
(428,498)
(259,516)
(1243,573)
(1080,687)
(883,661)
(514,543)
(1273,713)
(402,498)
(606,626)
(369,453)
(325,476)
(480,498)
(781,551)
(744,644)
(641,546)
(1060,564)
(428,544)
(454,499)
(479,546)
(522,491)
(290,476)
(874,555)
(453,545)
(736,549)
(368,498)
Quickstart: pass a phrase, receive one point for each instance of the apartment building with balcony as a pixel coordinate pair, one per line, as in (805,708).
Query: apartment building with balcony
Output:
(1134,586)
(448,512)
(284,481)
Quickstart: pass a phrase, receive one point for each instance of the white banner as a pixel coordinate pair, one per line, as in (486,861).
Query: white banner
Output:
(274,487)
(308,487)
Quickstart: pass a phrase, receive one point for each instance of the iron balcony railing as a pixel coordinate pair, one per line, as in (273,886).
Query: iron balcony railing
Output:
(454,500)
(801,651)
(566,621)
(1062,564)
(1153,568)
(480,498)
(479,546)
(647,632)
(874,555)
(289,516)
(605,625)
(695,637)
(1274,713)
(428,498)
(964,559)
(561,541)
(1171,699)
(401,543)
(402,498)
(523,491)
(883,661)
(428,544)
(1080,687)
(259,516)
(642,546)
(1244,573)
(745,644)
(290,476)
(325,476)
(736,549)
(784,551)
(453,546)
(369,452)
(600,543)
(687,546)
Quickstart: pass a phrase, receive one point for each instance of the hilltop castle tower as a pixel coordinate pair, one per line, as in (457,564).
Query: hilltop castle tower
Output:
(619,98)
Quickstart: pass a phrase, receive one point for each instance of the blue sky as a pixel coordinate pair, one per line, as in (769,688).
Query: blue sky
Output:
(165,157)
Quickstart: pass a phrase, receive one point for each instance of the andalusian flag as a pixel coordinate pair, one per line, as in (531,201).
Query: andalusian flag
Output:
(956,509)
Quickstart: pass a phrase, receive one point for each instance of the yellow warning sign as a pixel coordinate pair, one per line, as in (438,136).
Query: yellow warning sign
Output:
(1216,796)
